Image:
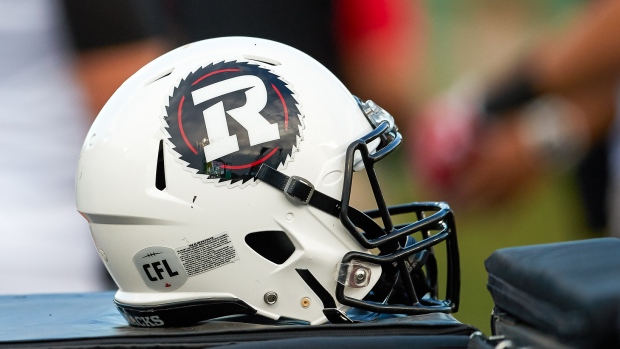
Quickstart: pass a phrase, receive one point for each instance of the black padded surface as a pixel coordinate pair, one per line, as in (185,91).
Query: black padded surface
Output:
(91,320)
(395,342)
(570,289)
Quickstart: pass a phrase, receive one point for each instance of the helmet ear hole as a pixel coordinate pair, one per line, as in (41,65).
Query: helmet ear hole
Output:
(275,246)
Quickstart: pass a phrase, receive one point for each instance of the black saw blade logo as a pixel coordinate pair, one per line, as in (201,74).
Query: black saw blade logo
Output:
(227,119)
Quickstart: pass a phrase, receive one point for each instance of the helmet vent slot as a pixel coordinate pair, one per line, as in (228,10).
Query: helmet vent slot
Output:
(274,246)
(160,173)
(159,77)
(262,60)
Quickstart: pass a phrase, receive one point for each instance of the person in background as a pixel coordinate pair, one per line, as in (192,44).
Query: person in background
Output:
(552,111)
(44,243)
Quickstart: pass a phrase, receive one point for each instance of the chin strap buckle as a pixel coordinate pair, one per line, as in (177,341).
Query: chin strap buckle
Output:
(298,188)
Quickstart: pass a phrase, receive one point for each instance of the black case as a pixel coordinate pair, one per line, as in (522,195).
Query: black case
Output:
(91,320)
(561,294)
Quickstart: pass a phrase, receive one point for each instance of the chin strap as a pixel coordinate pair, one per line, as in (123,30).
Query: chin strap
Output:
(301,192)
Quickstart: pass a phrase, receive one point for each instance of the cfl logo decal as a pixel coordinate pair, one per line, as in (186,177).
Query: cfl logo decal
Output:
(160,268)
(226,119)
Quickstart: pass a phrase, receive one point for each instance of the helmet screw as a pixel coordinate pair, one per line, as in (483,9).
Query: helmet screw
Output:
(270,297)
(305,302)
(360,276)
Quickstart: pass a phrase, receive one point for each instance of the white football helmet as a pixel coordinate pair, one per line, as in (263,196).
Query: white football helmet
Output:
(216,181)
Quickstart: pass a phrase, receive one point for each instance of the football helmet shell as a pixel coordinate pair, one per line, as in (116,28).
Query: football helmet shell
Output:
(176,181)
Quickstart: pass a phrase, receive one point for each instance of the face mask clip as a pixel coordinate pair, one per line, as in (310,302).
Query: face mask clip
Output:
(376,115)
(354,274)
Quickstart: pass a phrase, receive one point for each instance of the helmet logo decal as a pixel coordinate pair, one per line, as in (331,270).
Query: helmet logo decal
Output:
(228,118)
(160,268)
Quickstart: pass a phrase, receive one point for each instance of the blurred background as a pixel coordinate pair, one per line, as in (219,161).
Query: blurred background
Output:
(482,40)
(402,54)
